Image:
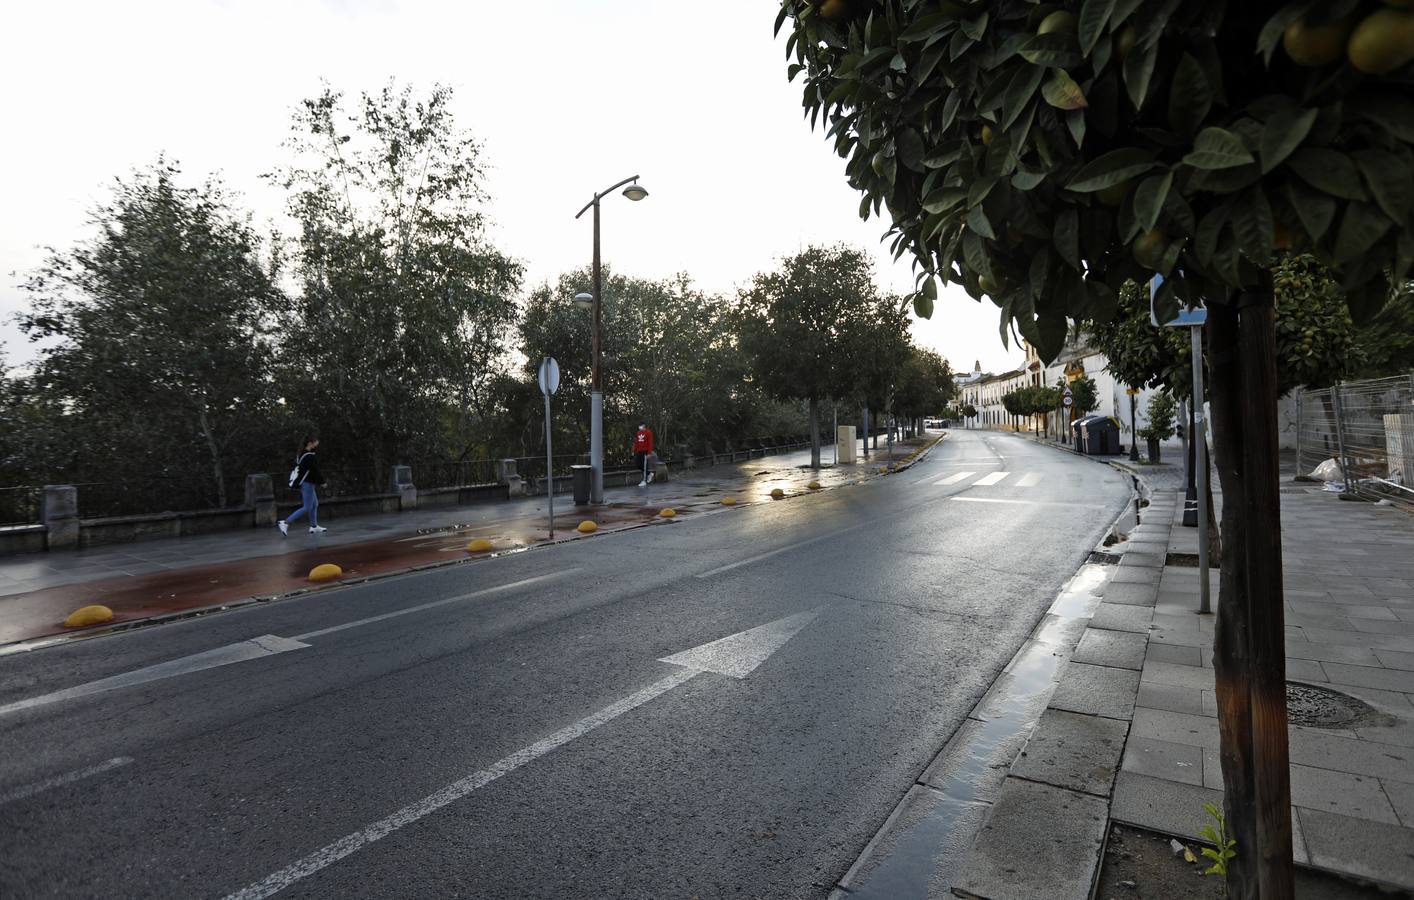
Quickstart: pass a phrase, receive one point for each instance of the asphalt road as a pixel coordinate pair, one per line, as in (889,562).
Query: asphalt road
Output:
(526,740)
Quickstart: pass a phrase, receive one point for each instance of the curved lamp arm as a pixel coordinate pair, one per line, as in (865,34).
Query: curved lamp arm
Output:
(603,193)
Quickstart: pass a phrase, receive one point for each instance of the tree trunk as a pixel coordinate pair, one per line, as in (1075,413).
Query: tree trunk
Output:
(217,470)
(1230,640)
(1249,658)
(1261,504)
(814,433)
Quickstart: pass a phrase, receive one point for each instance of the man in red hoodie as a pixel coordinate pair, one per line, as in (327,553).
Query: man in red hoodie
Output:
(642,450)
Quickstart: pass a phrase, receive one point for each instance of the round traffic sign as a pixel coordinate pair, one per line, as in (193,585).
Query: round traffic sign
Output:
(549,376)
(1069,401)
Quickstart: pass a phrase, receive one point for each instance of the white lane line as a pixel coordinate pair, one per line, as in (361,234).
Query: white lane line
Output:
(953,479)
(453,792)
(1030,479)
(356,623)
(265,645)
(1029,502)
(736,655)
(47,784)
(767,555)
(991,478)
(255,648)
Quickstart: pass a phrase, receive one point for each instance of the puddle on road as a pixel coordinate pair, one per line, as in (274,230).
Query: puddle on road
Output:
(929,841)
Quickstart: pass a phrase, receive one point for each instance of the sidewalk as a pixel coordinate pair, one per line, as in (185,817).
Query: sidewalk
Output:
(162,578)
(1349,579)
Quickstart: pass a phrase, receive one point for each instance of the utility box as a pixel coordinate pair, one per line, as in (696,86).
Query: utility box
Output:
(845,444)
(1100,435)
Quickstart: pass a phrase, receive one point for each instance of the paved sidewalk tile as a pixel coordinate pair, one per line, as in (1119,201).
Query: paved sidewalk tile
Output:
(1163,759)
(1013,860)
(1102,647)
(1073,751)
(1372,850)
(1096,690)
(1118,617)
(1158,804)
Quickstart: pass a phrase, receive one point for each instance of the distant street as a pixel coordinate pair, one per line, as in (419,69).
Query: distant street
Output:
(728,706)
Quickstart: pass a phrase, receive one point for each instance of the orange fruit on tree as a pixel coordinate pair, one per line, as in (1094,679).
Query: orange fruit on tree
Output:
(1316,44)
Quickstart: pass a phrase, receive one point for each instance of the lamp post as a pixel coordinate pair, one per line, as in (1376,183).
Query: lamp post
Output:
(634,191)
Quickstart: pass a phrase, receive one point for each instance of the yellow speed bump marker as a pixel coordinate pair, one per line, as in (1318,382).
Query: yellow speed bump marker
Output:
(814,485)
(480,545)
(729,501)
(88,615)
(587,527)
(668,513)
(777,493)
(325,572)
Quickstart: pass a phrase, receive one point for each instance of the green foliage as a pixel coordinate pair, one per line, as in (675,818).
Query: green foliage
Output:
(1161,418)
(969,411)
(1316,342)
(1048,170)
(158,354)
(925,385)
(1085,396)
(1224,849)
(404,305)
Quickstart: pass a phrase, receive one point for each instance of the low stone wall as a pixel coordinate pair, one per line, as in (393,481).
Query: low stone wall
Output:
(23,539)
(126,529)
(464,495)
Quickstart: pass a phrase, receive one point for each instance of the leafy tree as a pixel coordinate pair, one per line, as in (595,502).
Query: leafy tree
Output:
(811,329)
(405,306)
(1084,395)
(969,411)
(925,385)
(1384,346)
(1161,414)
(1047,155)
(155,367)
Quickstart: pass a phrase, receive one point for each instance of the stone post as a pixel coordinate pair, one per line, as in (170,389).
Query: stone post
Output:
(506,474)
(402,486)
(260,497)
(59,511)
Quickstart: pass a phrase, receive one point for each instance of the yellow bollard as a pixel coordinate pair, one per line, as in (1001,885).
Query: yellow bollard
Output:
(814,485)
(668,513)
(729,501)
(480,545)
(325,572)
(88,615)
(587,527)
(777,493)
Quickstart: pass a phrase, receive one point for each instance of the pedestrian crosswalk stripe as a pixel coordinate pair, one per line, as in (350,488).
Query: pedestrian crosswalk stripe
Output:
(1029,479)
(992,478)
(954,479)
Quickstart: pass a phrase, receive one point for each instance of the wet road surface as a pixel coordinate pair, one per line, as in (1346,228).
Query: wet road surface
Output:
(728,707)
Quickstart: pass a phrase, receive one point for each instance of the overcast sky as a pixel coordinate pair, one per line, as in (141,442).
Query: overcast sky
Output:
(566,96)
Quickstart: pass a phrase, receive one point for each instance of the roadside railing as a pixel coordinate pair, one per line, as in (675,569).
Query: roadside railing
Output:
(1367,429)
(20,505)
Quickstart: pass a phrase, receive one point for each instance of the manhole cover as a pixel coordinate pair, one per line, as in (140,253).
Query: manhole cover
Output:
(1317,707)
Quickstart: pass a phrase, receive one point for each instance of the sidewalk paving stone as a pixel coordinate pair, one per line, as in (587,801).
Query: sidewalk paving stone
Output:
(1096,690)
(1118,617)
(1164,759)
(1013,860)
(1170,807)
(1170,697)
(1131,594)
(1372,850)
(1073,751)
(1102,647)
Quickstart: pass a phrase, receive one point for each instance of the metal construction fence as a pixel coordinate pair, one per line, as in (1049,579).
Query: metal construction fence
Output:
(1366,429)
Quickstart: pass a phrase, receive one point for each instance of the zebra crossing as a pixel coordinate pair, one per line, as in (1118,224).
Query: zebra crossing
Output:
(989,479)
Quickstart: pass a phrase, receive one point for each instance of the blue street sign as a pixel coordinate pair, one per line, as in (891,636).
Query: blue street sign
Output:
(1195,316)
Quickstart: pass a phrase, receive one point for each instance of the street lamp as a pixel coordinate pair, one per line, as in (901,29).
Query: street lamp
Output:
(634,191)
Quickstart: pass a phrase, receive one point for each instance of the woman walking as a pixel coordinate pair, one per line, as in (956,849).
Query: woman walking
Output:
(305,478)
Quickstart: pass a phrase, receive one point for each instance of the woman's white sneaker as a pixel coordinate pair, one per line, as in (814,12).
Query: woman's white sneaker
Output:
(284,527)
(318,529)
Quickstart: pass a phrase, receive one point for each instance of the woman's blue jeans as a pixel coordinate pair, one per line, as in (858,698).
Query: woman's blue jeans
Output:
(311,505)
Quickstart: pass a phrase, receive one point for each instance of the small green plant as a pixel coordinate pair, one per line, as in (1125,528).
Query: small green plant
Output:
(1224,847)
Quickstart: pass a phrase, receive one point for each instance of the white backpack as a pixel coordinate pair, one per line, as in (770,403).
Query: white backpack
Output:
(295,478)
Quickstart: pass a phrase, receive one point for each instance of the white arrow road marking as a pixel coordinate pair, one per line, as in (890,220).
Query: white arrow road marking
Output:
(40,787)
(255,648)
(993,478)
(265,645)
(739,653)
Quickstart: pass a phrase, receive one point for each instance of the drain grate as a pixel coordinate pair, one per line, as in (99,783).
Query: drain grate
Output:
(1318,707)
(1100,557)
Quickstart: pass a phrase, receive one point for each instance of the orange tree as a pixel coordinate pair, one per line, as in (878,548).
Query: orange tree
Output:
(1044,154)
